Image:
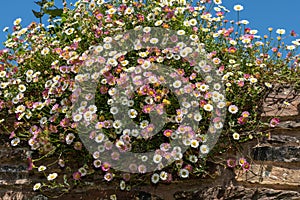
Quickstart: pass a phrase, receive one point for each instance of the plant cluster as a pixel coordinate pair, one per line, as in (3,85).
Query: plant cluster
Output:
(60,99)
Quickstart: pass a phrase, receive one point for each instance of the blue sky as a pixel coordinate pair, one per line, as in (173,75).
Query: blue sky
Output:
(261,13)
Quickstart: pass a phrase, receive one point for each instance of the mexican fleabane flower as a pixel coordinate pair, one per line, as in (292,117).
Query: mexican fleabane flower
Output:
(52,176)
(233,109)
(238,7)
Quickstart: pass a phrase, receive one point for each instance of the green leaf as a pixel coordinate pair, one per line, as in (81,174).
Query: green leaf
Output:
(41,3)
(37,14)
(63,19)
(38,3)
(53,12)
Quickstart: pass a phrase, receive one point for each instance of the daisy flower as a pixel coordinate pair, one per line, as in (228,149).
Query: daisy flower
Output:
(153,40)
(246,166)
(76,175)
(177,84)
(132,113)
(193,158)
(17,21)
(233,109)
(158,23)
(236,136)
(231,163)
(52,176)
(181,32)
(218,2)
(99,138)
(157,158)
(142,169)
(146,29)
(111,11)
(2,74)
(122,185)
(15,142)
(154,178)
(69,138)
(193,22)
(280,31)
(117,124)
(253,80)
(114,110)
(108,176)
(274,122)
(208,107)
(184,173)
(163,175)
(69,31)
(194,143)
(238,7)
(45,51)
(77,117)
(37,186)
(42,168)
(204,149)
(242,161)
(97,163)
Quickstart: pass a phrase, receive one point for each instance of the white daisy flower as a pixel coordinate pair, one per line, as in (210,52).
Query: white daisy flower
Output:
(221,104)
(144,124)
(146,64)
(69,138)
(177,84)
(194,143)
(132,113)
(153,40)
(97,163)
(88,116)
(181,32)
(45,51)
(42,168)
(155,178)
(146,29)
(233,109)
(158,23)
(157,158)
(15,142)
(20,109)
(253,80)
(17,21)
(69,31)
(203,87)
(193,22)
(204,149)
(129,10)
(280,31)
(134,133)
(163,175)
(111,11)
(37,186)
(2,74)
(77,117)
(236,136)
(208,107)
(193,158)
(117,124)
(218,2)
(238,7)
(52,176)
(92,108)
(184,173)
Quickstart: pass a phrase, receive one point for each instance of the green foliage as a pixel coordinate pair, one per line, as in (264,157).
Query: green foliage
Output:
(41,66)
(48,8)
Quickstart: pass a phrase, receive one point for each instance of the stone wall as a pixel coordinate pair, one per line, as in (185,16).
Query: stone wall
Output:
(274,174)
